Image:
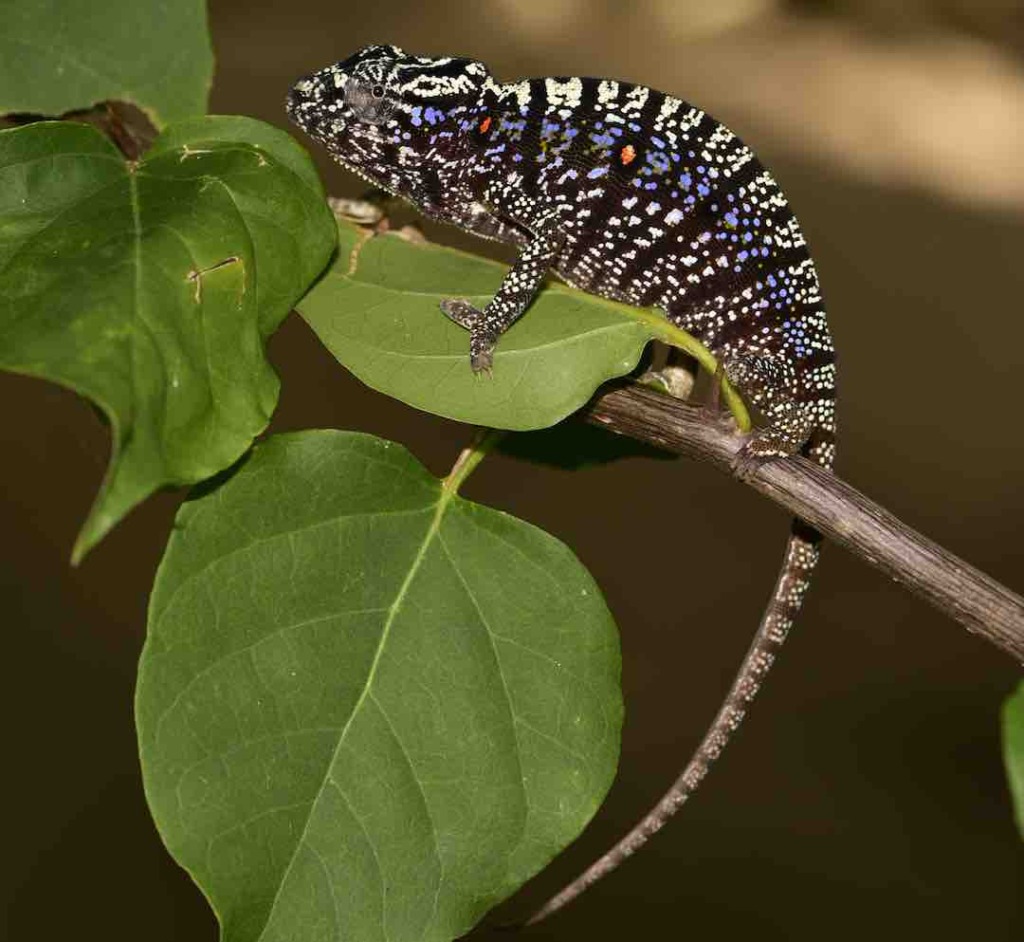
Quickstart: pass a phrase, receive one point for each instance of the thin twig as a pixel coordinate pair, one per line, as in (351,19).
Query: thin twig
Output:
(842,513)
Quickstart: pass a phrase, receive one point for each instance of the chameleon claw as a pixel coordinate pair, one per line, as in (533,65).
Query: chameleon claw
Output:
(754,455)
(481,354)
(746,465)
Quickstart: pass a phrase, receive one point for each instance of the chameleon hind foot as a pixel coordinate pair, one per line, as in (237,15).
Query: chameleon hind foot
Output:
(746,464)
(481,340)
(766,444)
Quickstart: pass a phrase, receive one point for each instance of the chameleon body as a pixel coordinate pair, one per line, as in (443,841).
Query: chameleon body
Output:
(629,194)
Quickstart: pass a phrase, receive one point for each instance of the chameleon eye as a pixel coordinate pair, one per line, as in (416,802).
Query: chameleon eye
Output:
(377,91)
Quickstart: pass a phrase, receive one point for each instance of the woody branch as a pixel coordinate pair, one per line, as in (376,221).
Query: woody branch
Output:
(842,513)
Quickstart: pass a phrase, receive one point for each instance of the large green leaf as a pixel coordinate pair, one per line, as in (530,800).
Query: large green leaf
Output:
(368,709)
(150,288)
(61,55)
(1013,751)
(376,310)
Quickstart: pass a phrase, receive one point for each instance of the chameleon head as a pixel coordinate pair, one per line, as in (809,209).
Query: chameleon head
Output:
(383,112)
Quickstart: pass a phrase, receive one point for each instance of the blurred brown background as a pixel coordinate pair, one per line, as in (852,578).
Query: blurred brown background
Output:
(864,795)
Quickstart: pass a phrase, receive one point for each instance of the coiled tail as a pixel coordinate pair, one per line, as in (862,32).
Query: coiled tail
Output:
(802,552)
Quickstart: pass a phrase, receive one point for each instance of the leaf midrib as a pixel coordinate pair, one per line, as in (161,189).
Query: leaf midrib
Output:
(444,499)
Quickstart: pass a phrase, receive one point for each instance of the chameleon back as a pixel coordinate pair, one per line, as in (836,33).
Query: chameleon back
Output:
(665,207)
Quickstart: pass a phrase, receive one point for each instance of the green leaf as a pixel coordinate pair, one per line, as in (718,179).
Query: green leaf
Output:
(1013,751)
(150,288)
(61,55)
(376,310)
(368,708)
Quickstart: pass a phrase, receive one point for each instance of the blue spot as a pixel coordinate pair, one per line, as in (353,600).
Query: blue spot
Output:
(731,218)
(651,186)
(702,189)
(701,169)
(433,115)
(570,133)
(685,181)
(658,161)
(416,112)
(658,142)
(771,281)
(597,172)
(616,132)
(633,126)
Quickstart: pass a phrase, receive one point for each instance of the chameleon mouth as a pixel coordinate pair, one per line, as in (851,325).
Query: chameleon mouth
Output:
(309,106)
(300,104)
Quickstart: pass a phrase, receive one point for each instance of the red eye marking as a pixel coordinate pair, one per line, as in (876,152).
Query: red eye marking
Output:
(628,154)
(485,125)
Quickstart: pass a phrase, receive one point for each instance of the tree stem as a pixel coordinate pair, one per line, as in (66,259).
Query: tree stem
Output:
(470,456)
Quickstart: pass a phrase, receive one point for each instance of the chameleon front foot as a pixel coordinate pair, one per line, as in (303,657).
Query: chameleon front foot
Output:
(481,351)
(481,340)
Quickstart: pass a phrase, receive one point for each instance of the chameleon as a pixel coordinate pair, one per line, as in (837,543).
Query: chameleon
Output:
(629,194)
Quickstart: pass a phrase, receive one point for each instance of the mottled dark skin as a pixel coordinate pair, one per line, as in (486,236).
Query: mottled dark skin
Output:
(629,194)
